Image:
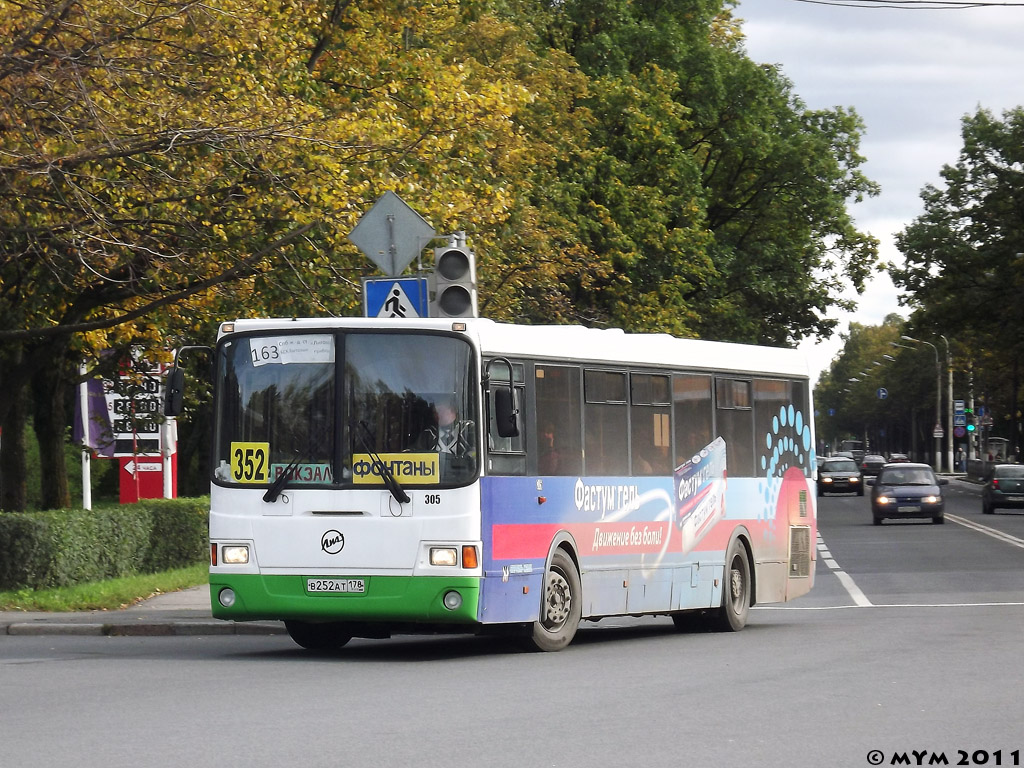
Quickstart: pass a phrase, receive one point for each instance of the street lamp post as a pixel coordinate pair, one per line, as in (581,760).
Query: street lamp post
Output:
(949,406)
(868,371)
(938,400)
(913,412)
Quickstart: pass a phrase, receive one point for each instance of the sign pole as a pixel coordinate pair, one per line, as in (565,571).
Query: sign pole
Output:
(83,399)
(169,428)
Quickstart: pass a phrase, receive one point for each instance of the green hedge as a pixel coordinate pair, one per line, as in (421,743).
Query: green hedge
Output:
(59,548)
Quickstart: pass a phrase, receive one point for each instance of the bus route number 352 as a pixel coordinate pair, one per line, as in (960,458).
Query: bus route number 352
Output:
(249,462)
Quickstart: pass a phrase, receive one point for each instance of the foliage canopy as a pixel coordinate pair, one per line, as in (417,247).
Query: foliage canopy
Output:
(165,164)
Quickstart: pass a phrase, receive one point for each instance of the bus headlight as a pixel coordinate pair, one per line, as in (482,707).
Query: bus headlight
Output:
(226,597)
(234,554)
(452,600)
(444,556)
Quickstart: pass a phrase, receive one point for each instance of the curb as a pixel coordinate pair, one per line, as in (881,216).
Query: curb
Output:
(144,629)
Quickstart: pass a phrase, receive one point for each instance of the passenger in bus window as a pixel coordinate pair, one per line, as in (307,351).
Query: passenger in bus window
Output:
(649,459)
(641,466)
(550,459)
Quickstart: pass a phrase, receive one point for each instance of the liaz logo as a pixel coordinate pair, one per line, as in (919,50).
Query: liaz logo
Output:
(332,542)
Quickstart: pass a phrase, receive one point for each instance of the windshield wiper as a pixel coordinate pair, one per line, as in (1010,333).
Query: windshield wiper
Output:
(385,472)
(278,485)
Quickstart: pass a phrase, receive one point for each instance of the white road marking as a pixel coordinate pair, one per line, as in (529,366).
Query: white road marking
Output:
(784,607)
(861,601)
(995,534)
(858,597)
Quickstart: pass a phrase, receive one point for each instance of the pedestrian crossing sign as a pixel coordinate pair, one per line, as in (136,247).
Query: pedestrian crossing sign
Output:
(395,297)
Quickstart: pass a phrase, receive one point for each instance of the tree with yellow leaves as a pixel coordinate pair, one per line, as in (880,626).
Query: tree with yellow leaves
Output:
(165,161)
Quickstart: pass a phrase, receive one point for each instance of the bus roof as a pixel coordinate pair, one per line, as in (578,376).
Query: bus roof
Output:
(572,342)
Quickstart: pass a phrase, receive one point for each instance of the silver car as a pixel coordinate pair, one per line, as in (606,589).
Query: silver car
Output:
(840,475)
(1004,487)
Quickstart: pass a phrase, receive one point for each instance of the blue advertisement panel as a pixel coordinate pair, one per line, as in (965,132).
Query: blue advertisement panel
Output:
(643,534)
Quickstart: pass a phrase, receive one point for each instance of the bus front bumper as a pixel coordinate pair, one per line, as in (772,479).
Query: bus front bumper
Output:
(394,600)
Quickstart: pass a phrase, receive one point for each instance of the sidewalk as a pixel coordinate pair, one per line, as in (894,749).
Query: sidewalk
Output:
(177,613)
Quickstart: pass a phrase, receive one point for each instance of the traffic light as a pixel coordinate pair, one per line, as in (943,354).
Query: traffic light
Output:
(453,288)
(971,425)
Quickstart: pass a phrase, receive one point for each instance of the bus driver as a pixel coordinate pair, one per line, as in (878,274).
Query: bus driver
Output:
(451,435)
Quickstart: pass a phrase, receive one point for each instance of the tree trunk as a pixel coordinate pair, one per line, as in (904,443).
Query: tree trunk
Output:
(13,488)
(50,423)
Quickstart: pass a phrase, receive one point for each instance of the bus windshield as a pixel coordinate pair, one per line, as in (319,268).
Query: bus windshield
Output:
(328,408)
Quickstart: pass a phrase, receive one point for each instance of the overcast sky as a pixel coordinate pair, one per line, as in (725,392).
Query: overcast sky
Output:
(911,75)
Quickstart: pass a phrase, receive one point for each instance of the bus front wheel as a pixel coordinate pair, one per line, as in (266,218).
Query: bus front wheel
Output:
(732,616)
(562,606)
(317,637)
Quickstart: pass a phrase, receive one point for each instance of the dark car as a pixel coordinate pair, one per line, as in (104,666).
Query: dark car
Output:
(898,458)
(871,464)
(840,475)
(1004,487)
(907,490)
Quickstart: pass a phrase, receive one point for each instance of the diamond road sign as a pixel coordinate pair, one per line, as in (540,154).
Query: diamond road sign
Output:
(391,234)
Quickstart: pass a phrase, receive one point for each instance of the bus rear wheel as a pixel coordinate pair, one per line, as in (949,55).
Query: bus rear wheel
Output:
(561,609)
(732,615)
(318,637)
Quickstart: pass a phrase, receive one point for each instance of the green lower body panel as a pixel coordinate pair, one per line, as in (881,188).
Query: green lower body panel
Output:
(385,599)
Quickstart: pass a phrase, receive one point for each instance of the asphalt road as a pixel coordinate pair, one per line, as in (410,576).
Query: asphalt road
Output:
(907,652)
(973,558)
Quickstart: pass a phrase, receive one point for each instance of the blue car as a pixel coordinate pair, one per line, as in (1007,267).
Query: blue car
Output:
(907,491)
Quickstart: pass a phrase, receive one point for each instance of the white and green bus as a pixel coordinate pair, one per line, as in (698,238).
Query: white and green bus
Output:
(380,476)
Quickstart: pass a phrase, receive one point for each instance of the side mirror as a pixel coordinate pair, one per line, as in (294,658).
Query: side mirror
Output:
(505,413)
(174,387)
(174,392)
(504,402)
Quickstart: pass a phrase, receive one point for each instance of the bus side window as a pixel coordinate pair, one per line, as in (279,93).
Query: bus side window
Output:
(799,399)
(771,398)
(606,423)
(692,415)
(735,423)
(650,438)
(557,424)
(505,455)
